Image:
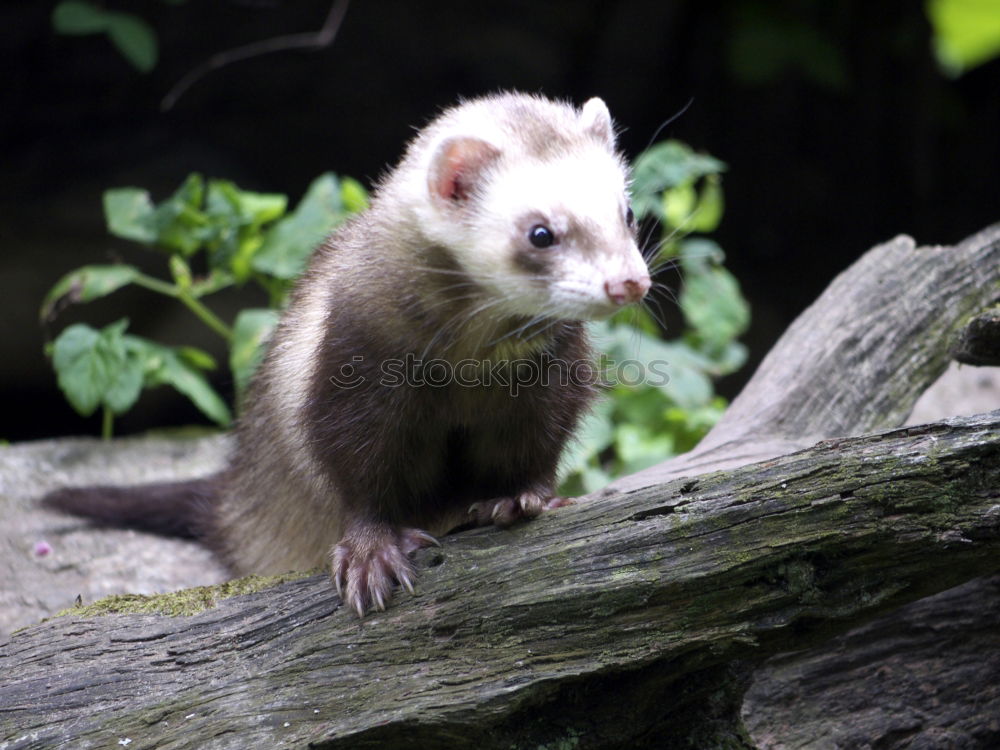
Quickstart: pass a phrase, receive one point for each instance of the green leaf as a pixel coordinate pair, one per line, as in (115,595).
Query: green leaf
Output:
(225,222)
(94,368)
(642,405)
(729,358)
(666,165)
(163,365)
(125,386)
(76,17)
(236,217)
(86,284)
(110,368)
(593,478)
(638,448)
(81,373)
(688,427)
(708,214)
(699,255)
(353,195)
(290,242)
(179,223)
(250,332)
(584,480)
(135,39)
(966,33)
(176,225)
(243,207)
(261,208)
(713,306)
(674,367)
(129,214)
(639,318)
(596,432)
(678,205)
(684,376)
(197,358)
(186,379)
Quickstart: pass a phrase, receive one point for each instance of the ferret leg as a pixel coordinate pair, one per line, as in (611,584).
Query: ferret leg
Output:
(370,559)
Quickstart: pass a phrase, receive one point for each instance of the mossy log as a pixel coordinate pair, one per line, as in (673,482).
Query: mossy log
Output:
(634,618)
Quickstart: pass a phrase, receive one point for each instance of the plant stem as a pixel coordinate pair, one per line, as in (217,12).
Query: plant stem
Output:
(156,285)
(205,315)
(107,422)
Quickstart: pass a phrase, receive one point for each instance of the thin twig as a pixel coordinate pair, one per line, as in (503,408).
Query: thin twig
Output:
(306,40)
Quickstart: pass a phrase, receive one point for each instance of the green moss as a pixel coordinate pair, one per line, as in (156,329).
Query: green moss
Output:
(178,603)
(625,573)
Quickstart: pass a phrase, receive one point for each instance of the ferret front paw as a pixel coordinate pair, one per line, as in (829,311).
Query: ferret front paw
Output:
(503,511)
(370,559)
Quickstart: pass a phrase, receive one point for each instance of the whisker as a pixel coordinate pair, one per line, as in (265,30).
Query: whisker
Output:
(459,320)
(534,320)
(653,306)
(665,123)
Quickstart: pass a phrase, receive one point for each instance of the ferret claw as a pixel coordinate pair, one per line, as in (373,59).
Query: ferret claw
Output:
(420,538)
(337,582)
(405,582)
(504,511)
(370,560)
(558,502)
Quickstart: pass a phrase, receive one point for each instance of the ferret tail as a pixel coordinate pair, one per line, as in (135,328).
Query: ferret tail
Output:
(181,509)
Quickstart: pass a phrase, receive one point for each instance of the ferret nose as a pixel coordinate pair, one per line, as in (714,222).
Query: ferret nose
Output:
(627,291)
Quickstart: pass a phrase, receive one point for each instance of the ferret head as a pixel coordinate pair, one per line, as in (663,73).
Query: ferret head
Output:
(530,199)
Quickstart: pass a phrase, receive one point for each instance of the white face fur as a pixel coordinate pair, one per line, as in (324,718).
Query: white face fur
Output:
(546,236)
(552,235)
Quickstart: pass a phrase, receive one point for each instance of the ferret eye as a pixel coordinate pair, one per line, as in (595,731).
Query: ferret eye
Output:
(541,236)
(629,217)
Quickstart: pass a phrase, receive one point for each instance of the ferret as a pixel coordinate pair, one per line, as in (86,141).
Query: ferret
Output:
(432,361)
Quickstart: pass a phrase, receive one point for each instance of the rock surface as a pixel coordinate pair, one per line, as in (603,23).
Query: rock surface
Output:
(48,560)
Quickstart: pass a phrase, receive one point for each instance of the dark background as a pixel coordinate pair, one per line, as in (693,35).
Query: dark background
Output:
(838,128)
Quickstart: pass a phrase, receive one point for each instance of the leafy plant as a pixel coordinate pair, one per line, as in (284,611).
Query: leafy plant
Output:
(661,398)
(109,368)
(236,236)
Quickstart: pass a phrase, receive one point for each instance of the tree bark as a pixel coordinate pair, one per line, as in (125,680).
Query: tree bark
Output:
(634,618)
(924,676)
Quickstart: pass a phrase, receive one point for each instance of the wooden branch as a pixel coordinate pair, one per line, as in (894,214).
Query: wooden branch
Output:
(923,676)
(857,359)
(657,594)
(635,619)
(979,340)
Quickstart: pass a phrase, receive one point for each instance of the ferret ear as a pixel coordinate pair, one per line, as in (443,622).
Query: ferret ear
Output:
(457,168)
(596,120)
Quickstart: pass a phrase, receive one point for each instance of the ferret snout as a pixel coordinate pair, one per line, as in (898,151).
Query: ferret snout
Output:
(627,291)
